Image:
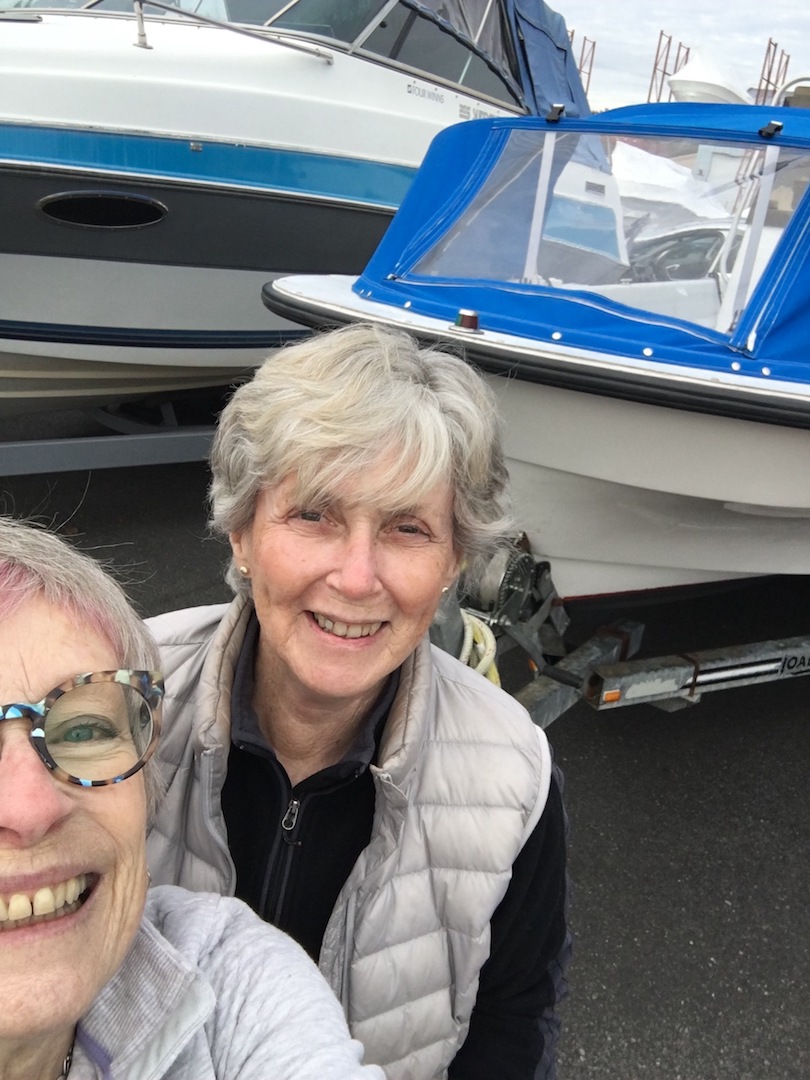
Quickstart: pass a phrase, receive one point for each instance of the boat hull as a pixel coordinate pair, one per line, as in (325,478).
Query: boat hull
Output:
(621,496)
(178,300)
(77,214)
(179,327)
(618,494)
(146,194)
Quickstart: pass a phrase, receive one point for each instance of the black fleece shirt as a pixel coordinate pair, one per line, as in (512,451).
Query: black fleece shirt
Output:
(295,846)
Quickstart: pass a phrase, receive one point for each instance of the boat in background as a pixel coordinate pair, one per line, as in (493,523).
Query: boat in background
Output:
(160,161)
(701,79)
(656,403)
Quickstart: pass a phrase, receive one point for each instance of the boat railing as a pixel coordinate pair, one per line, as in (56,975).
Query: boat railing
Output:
(784,93)
(235,28)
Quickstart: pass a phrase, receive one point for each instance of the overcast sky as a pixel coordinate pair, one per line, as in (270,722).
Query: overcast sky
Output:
(733,36)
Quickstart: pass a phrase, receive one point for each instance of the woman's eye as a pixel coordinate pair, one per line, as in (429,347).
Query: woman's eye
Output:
(79,733)
(314,517)
(87,729)
(410,528)
(315,522)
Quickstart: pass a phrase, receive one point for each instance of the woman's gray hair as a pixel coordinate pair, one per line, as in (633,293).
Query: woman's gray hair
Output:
(341,403)
(35,562)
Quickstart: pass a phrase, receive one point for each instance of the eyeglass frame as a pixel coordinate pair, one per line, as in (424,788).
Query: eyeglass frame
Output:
(149,684)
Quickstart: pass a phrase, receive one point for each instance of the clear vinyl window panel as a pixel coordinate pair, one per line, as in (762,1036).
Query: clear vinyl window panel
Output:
(672,227)
(419,42)
(342,20)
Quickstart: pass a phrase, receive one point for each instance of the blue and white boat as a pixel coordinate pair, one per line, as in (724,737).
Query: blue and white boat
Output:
(160,161)
(637,283)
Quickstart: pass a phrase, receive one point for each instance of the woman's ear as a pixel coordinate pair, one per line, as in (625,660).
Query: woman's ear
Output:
(239,546)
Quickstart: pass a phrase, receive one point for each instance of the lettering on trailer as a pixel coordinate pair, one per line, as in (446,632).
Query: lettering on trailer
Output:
(423,92)
(474,112)
(796,664)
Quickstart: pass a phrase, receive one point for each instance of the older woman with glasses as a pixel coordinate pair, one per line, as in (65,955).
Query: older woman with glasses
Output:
(97,981)
(387,806)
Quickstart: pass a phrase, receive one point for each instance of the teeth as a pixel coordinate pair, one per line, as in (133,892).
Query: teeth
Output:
(48,902)
(19,907)
(44,901)
(347,630)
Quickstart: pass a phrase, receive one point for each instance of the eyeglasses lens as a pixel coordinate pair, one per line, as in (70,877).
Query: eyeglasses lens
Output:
(98,731)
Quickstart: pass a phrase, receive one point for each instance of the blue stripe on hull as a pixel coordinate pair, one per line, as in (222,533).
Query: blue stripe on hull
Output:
(267,168)
(152,338)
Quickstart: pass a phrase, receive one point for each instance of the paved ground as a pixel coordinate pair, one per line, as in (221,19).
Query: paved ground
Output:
(689,831)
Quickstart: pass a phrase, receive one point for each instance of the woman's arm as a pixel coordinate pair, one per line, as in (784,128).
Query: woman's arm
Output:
(275,1016)
(514,1025)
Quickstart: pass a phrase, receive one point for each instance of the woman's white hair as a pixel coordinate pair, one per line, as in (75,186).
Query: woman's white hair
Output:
(341,403)
(35,562)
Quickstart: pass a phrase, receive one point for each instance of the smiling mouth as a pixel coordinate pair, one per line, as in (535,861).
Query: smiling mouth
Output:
(45,904)
(346,630)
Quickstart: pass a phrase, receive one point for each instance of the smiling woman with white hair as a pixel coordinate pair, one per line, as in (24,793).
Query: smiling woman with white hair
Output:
(99,981)
(388,807)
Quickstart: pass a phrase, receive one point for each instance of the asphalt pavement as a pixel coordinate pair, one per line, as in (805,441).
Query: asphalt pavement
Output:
(689,831)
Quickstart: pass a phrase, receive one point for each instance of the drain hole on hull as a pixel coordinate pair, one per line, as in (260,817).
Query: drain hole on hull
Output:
(103,210)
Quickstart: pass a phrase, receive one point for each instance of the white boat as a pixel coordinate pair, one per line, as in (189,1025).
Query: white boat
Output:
(701,79)
(656,407)
(159,162)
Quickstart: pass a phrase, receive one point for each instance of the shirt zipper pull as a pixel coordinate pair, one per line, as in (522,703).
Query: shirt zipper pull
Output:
(290,817)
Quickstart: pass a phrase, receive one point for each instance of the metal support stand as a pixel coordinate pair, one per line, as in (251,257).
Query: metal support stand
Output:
(136,442)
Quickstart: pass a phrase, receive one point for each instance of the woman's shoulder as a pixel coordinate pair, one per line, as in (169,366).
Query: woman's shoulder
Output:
(186,625)
(202,925)
(457,679)
(464,707)
(451,726)
(273,1012)
(187,636)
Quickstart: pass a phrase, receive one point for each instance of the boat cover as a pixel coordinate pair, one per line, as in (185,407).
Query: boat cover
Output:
(691,248)
(533,45)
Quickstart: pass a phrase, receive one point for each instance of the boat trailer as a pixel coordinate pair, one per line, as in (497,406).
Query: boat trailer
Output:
(160,439)
(527,613)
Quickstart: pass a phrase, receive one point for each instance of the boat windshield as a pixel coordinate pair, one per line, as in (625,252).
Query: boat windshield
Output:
(464,44)
(433,36)
(678,227)
(439,38)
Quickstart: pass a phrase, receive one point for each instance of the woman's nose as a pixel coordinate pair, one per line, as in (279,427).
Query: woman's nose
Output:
(356,573)
(32,802)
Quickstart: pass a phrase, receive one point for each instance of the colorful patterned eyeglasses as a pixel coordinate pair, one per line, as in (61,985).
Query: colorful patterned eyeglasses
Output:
(95,729)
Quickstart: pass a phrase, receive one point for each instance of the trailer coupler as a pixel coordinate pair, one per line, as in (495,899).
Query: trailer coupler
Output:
(673,682)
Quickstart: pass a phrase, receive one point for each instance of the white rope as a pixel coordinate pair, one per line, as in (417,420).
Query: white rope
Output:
(478,648)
